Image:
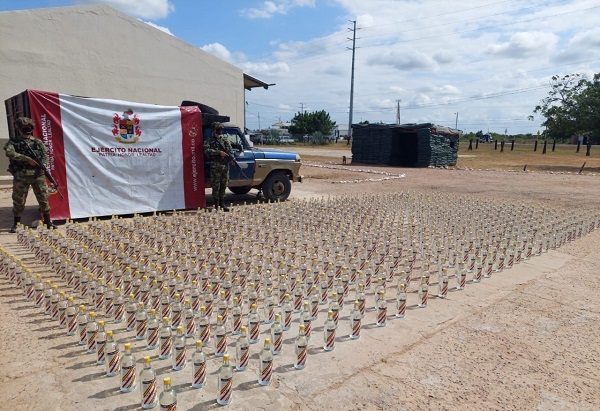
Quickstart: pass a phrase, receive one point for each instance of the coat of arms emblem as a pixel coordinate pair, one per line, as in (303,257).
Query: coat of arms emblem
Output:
(193,132)
(126,129)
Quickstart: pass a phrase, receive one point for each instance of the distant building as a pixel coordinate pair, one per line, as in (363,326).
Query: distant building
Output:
(282,131)
(340,131)
(283,126)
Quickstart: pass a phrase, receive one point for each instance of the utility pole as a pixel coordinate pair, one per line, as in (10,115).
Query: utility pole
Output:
(302,107)
(259,121)
(398,111)
(456,124)
(353,30)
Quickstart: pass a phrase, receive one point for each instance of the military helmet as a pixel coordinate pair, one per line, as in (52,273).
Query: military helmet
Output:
(217,126)
(24,124)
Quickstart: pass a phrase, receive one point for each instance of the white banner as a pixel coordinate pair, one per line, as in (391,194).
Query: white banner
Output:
(123,157)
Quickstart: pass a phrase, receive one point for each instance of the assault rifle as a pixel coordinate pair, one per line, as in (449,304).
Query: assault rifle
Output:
(230,157)
(42,167)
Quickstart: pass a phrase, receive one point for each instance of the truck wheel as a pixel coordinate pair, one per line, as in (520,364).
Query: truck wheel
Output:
(277,187)
(203,107)
(240,190)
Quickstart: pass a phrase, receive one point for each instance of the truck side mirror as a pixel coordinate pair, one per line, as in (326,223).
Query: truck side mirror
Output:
(237,148)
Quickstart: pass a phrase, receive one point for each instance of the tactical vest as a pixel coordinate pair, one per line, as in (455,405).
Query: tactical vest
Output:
(37,147)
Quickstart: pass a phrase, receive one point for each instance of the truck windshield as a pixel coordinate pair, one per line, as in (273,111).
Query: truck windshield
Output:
(234,138)
(233,134)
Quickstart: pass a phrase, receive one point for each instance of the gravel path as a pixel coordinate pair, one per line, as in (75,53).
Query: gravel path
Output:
(525,339)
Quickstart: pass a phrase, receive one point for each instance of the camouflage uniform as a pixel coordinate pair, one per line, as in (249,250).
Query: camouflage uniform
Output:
(24,174)
(219,167)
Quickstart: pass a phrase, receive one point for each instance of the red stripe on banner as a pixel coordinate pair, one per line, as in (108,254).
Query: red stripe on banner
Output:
(45,111)
(193,157)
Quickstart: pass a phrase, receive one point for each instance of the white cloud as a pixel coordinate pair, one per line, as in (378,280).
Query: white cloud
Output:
(581,46)
(438,94)
(449,90)
(421,98)
(526,44)
(239,59)
(145,9)
(161,28)
(333,70)
(489,62)
(397,89)
(270,8)
(220,51)
(266,69)
(382,103)
(444,57)
(401,60)
(588,38)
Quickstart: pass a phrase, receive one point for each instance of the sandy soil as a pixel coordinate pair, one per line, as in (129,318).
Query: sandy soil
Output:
(525,339)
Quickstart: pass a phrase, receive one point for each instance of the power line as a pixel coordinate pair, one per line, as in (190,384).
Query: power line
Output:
(498,76)
(296,60)
(480,29)
(509,92)
(461,21)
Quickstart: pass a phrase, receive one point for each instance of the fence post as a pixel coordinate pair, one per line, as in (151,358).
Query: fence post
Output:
(512,145)
(544,149)
(535,145)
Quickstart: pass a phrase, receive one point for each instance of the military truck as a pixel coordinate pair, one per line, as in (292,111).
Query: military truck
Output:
(114,157)
(270,171)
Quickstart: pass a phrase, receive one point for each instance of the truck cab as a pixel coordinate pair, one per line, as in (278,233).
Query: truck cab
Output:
(270,171)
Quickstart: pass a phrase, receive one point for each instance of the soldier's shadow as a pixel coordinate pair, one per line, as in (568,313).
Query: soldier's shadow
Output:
(30,217)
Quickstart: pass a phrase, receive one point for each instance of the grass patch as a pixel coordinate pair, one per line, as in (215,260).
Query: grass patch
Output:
(563,159)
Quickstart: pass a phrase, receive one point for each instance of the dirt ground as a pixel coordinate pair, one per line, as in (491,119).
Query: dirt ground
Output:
(525,339)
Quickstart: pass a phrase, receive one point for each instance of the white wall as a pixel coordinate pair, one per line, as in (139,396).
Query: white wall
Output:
(98,51)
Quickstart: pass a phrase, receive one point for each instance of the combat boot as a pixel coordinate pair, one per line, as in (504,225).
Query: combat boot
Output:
(13,229)
(222,203)
(216,205)
(47,222)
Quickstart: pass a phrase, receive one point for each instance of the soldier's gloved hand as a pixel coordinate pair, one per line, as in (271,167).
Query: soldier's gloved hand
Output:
(32,162)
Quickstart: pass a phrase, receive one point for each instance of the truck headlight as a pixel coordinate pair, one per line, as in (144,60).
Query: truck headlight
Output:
(298,159)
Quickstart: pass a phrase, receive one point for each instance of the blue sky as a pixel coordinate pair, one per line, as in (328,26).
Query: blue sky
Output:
(490,61)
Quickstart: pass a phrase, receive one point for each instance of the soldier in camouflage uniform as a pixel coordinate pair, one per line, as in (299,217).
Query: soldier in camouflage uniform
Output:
(219,150)
(26,171)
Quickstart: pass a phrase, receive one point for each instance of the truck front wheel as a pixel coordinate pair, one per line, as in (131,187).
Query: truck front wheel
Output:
(240,190)
(277,187)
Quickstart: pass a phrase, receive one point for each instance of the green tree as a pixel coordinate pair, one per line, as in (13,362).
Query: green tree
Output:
(309,123)
(588,103)
(572,106)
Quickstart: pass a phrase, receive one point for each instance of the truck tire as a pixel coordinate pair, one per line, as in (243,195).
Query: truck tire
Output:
(203,107)
(240,190)
(277,187)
